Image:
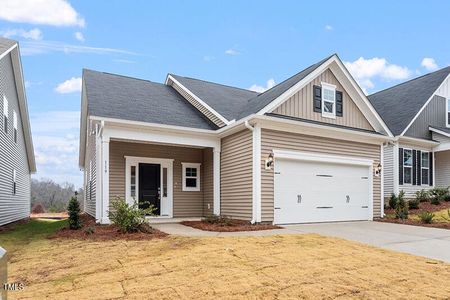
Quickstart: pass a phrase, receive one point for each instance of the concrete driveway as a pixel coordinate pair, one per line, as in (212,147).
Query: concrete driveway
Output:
(423,241)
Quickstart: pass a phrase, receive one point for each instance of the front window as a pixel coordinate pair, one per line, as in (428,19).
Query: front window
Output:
(407,166)
(328,100)
(191,176)
(133,182)
(425,168)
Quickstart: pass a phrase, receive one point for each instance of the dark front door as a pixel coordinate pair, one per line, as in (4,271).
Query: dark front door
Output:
(149,186)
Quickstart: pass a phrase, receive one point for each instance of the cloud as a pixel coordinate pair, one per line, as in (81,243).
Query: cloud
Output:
(43,47)
(366,70)
(79,36)
(29,84)
(258,88)
(45,12)
(124,61)
(33,34)
(208,58)
(69,86)
(328,28)
(429,64)
(232,52)
(55,139)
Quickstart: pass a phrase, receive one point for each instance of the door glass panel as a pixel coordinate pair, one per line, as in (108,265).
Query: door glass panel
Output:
(164,182)
(133,181)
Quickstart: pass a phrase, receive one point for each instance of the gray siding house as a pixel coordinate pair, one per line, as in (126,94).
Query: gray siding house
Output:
(418,114)
(16,147)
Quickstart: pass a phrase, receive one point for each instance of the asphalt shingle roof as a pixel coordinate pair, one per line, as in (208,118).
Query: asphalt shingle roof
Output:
(399,104)
(226,100)
(127,98)
(5,44)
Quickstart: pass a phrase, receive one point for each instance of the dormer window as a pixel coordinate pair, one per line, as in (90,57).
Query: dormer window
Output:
(328,100)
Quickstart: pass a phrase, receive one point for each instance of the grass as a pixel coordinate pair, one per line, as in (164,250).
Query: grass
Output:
(285,266)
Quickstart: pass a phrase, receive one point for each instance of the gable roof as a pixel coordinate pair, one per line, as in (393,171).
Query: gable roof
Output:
(398,105)
(226,100)
(121,97)
(8,46)
(258,102)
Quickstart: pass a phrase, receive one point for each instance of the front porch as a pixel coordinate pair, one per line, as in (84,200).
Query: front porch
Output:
(179,175)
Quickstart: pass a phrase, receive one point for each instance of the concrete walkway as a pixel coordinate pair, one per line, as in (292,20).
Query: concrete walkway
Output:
(423,241)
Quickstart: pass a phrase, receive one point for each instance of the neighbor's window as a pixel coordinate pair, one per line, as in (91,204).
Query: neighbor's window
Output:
(14,182)
(448,113)
(5,114)
(407,165)
(328,100)
(191,176)
(15,125)
(90,180)
(425,168)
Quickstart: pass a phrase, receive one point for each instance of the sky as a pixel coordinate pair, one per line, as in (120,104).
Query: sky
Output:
(248,44)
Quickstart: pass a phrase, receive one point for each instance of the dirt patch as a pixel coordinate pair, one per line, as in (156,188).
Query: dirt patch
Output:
(233,226)
(51,216)
(104,232)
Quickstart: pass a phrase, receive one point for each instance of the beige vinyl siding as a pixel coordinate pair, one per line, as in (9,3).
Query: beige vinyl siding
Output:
(185,204)
(300,105)
(211,116)
(388,170)
(208,182)
(442,168)
(271,139)
(409,189)
(90,188)
(236,175)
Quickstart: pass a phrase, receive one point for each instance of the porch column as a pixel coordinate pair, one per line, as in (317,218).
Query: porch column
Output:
(105,180)
(216,178)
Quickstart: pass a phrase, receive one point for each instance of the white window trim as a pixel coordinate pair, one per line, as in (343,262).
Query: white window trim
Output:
(446,113)
(422,168)
(191,165)
(332,88)
(5,106)
(403,169)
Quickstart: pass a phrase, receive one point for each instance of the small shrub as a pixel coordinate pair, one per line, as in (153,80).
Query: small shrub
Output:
(74,213)
(426,217)
(413,203)
(393,201)
(37,208)
(438,195)
(89,230)
(129,218)
(401,209)
(423,196)
(219,220)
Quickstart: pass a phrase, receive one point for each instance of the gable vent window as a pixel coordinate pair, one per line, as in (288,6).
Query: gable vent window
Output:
(407,166)
(5,114)
(328,100)
(15,125)
(14,182)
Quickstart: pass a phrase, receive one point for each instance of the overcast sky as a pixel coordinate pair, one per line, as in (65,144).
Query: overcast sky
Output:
(249,44)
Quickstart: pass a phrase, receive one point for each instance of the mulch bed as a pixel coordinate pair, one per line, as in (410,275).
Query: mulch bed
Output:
(424,206)
(104,232)
(235,225)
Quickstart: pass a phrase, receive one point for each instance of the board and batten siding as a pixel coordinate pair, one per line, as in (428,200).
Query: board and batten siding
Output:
(90,174)
(185,204)
(12,155)
(432,115)
(271,139)
(236,169)
(300,105)
(212,117)
(388,170)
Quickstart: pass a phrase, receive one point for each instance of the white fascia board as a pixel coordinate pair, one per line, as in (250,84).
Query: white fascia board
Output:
(203,103)
(416,141)
(323,130)
(439,131)
(7,51)
(423,107)
(83,126)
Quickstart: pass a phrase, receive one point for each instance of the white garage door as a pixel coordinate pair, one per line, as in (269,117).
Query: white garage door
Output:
(311,191)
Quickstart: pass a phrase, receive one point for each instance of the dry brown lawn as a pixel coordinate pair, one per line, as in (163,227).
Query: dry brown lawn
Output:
(289,266)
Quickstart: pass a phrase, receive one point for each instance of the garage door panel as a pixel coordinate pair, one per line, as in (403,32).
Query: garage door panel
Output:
(308,191)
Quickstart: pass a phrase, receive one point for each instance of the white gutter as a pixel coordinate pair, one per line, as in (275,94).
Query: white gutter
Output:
(250,127)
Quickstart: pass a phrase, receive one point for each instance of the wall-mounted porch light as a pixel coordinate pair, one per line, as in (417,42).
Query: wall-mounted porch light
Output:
(269,161)
(378,170)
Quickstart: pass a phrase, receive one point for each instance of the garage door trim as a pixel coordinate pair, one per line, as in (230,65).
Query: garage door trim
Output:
(327,158)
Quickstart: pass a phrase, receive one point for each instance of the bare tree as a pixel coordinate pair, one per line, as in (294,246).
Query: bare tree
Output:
(53,196)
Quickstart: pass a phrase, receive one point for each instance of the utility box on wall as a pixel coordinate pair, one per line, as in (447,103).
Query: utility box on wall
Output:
(3,273)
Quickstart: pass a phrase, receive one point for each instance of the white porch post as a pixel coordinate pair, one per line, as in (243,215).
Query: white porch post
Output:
(99,182)
(105,179)
(256,174)
(216,179)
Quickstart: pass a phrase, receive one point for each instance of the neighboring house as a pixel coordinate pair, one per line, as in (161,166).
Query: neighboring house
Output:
(307,150)
(417,113)
(16,146)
